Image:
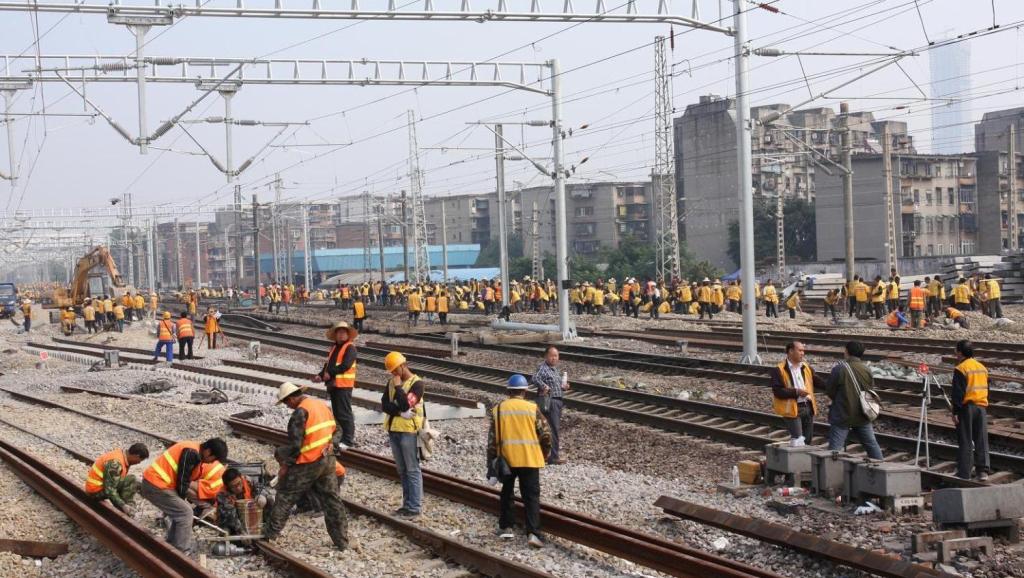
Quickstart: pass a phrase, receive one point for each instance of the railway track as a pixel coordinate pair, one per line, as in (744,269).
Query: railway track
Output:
(645,549)
(740,427)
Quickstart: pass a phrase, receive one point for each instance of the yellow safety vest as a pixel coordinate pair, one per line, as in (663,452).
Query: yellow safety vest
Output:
(516,433)
(788,407)
(398,423)
(977,382)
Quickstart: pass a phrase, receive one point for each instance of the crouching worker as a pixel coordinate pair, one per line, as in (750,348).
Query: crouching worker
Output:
(308,465)
(108,477)
(896,319)
(237,487)
(957,317)
(166,481)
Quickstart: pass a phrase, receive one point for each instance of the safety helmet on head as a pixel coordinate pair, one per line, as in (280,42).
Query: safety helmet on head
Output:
(167,314)
(286,389)
(517,381)
(393,361)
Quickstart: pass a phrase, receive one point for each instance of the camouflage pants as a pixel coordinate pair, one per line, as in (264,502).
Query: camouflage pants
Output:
(126,488)
(319,479)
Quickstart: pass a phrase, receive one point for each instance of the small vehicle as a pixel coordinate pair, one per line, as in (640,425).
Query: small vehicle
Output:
(8,300)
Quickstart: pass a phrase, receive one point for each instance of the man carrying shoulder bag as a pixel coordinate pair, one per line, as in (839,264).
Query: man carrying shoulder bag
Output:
(854,406)
(517,442)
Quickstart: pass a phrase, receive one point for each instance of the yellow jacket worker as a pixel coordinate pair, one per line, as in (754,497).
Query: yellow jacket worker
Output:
(969,397)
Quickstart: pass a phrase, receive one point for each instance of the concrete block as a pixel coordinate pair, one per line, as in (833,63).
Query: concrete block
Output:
(950,547)
(826,472)
(784,459)
(886,480)
(968,505)
(923,541)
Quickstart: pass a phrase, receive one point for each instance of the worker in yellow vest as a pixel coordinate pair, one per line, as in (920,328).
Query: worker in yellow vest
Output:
(414,306)
(969,397)
(211,326)
(995,294)
(957,317)
(339,375)
(518,442)
(962,296)
(704,298)
(89,314)
(430,306)
(26,312)
(771,300)
(793,303)
(861,293)
(893,296)
(108,477)
(154,301)
(108,309)
(402,404)
(878,293)
(358,313)
(792,383)
(443,305)
(119,317)
(138,305)
(309,466)
(934,295)
(165,484)
(733,295)
(67,321)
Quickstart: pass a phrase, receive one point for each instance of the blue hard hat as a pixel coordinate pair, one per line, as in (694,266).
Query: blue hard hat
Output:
(517,381)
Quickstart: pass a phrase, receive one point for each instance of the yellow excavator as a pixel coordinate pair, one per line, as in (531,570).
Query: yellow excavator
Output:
(95,275)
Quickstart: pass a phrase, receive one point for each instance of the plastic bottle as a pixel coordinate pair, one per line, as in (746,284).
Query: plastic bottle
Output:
(735,476)
(565,379)
(791,491)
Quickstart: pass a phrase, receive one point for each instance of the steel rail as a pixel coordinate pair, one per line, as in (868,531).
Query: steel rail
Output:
(135,545)
(644,549)
(474,559)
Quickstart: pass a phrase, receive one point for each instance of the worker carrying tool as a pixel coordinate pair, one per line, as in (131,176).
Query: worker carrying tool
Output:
(309,465)
(339,375)
(165,484)
(108,478)
(970,398)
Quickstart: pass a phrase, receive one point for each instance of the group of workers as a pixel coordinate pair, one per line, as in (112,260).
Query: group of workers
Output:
(183,331)
(794,383)
(928,300)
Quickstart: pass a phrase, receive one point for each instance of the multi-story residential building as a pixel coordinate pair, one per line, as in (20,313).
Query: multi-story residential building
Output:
(1000,205)
(784,162)
(470,218)
(992,133)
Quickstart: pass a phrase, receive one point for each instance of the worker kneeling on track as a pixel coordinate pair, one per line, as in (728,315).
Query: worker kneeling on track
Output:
(166,483)
(308,465)
(518,441)
(108,477)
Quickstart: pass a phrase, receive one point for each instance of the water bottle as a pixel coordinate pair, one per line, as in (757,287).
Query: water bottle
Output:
(565,379)
(735,476)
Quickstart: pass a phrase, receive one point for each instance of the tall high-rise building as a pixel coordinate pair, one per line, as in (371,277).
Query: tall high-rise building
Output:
(950,67)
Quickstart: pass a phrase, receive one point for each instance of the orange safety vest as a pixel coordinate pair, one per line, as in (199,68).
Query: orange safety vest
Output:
(163,472)
(892,320)
(953,313)
(918,297)
(347,379)
(788,407)
(185,328)
(211,480)
(320,429)
(166,334)
(94,480)
(977,382)
(211,326)
(442,304)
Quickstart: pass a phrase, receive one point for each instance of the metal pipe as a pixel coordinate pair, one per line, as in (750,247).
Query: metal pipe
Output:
(499,161)
(561,241)
(516,326)
(743,155)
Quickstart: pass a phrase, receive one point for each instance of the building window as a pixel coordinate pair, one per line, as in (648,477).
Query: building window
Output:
(917,197)
(938,249)
(928,198)
(951,197)
(585,229)
(929,226)
(930,250)
(584,211)
(938,170)
(952,248)
(917,250)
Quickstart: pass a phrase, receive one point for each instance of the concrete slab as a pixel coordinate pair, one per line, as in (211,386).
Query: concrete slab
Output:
(885,480)
(970,505)
(950,547)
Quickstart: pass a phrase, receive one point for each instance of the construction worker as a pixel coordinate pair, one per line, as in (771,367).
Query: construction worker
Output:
(969,396)
(138,305)
(717,296)
(108,477)
(793,303)
(957,317)
(896,319)
(792,383)
(308,465)
(165,329)
(26,312)
(878,293)
(119,317)
(918,302)
(166,481)
(734,294)
(995,306)
(442,306)
(851,296)
(67,321)
(359,312)
(962,295)
(339,375)
(414,306)
(935,288)
(627,298)
(430,306)
(108,308)
(704,298)
(893,296)
(211,327)
(860,294)
(89,314)
(831,299)
(153,303)
(186,334)
(402,404)
(771,300)
(519,435)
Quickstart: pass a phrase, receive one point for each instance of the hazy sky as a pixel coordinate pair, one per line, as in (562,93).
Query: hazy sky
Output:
(74,162)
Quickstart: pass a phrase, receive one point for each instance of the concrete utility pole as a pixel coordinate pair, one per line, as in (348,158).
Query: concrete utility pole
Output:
(239,239)
(743,155)
(273,228)
(780,234)
(444,243)
(177,255)
(1011,206)
(307,257)
(561,236)
(257,266)
(366,235)
(890,211)
(199,270)
(405,241)
(154,256)
(499,161)
(150,258)
(380,239)
(846,157)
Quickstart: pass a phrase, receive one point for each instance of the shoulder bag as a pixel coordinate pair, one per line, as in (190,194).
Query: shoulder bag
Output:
(499,465)
(870,402)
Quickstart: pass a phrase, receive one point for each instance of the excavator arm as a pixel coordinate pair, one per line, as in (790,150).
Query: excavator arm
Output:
(99,256)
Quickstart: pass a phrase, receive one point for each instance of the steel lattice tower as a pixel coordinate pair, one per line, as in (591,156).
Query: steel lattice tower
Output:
(663,179)
(419,215)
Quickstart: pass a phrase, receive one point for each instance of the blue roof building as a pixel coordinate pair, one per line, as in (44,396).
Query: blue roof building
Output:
(334,261)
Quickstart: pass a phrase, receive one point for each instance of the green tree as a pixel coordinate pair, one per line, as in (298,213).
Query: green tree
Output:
(490,256)
(799,230)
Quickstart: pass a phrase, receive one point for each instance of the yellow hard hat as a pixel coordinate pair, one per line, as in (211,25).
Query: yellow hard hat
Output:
(167,314)
(393,361)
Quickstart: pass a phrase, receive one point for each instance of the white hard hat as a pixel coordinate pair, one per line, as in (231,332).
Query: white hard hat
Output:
(287,388)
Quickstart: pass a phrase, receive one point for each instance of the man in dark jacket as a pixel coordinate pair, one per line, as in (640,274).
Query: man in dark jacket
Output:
(793,383)
(845,413)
